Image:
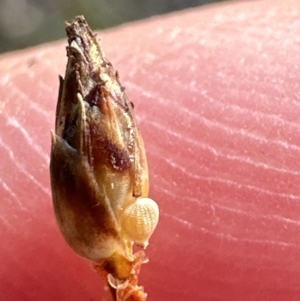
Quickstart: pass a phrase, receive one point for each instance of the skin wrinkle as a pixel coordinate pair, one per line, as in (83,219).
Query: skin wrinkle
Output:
(202,202)
(183,86)
(253,215)
(260,218)
(46,88)
(6,223)
(31,142)
(16,68)
(235,108)
(219,153)
(18,94)
(241,159)
(10,192)
(35,107)
(243,132)
(22,169)
(230,237)
(231,182)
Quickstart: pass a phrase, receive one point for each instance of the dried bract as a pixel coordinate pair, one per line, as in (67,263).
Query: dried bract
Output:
(98,164)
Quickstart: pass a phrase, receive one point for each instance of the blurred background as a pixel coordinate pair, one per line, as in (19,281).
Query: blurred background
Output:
(25,23)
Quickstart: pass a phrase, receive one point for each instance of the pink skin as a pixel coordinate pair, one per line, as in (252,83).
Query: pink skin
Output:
(216,94)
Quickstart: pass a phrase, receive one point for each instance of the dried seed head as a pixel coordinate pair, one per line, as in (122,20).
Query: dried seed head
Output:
(98,163)
(139,220)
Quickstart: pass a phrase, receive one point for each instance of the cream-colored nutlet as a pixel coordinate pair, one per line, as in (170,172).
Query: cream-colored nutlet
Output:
(139,220)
